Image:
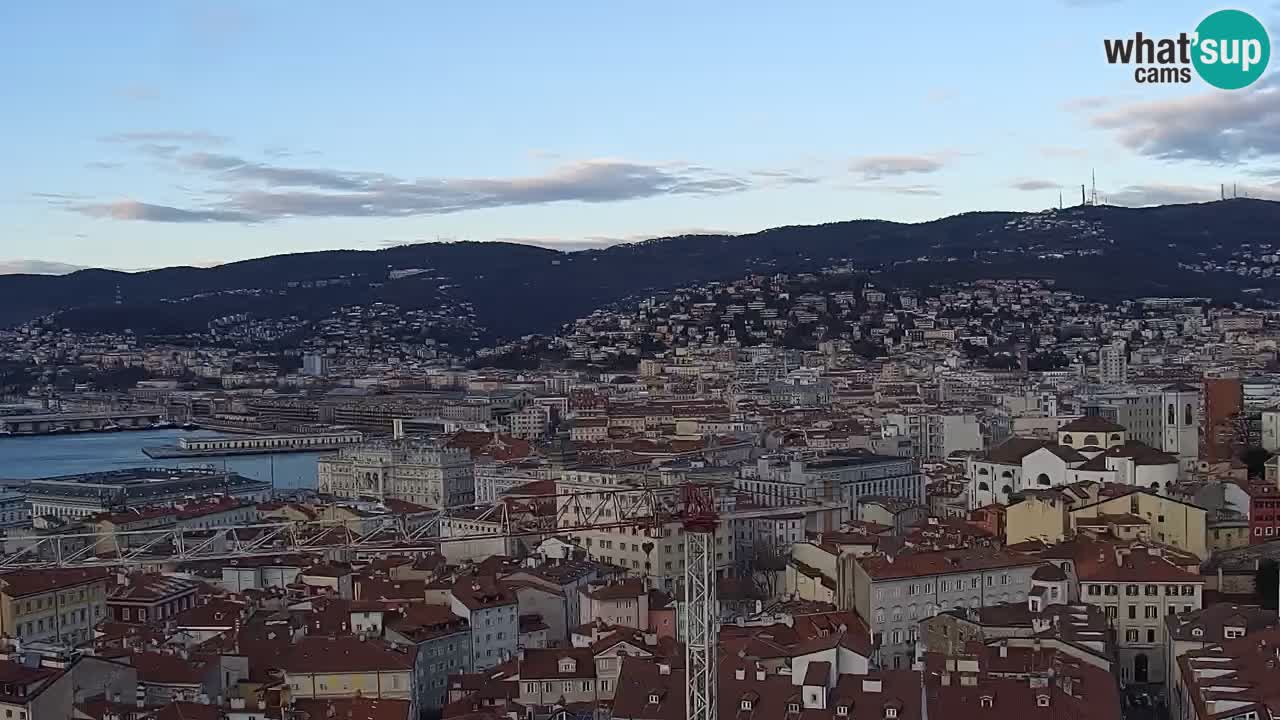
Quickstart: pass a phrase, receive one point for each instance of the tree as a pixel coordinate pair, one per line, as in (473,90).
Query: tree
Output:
(1267,584)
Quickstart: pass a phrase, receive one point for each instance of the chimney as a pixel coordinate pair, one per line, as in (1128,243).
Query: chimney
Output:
(739,674)
(946,679)
(871,686)
(1004,650)
(664,669)
(759,674)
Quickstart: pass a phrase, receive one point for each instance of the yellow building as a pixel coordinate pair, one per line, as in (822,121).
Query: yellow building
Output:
(345,667)
(1043,514)
(55,605)
(1139,514)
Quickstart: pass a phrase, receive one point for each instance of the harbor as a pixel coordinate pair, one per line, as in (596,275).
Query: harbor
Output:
(37,456)
(254,445)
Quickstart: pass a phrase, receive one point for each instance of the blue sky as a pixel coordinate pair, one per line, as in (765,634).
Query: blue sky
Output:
(145,134)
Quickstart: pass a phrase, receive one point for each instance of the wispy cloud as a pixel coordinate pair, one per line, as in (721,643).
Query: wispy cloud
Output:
(918,190)
(137,93)
(1159,194)
(875,167)
(1214,127)
(252,191)
(134,210)
(103,165)
(1032,185)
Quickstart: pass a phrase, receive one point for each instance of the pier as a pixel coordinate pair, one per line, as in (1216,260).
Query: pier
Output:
(79,422)
(255,445)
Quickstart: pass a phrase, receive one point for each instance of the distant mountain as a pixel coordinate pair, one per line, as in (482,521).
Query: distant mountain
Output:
(1104,252)
(36,267)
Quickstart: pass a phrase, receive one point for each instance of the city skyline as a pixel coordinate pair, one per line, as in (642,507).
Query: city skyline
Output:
(569,126)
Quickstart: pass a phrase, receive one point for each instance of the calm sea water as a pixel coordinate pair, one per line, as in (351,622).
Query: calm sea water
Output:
(23,458)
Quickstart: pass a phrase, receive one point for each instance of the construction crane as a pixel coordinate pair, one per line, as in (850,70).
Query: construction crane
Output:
(701,608)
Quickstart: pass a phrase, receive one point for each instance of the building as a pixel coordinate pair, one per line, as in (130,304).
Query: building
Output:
(1235,678)
(150,599)
(79,496)
(315,365)
(54,605)
(1113,363)
(1199,629)
(1152,517)
(443,647)
(15,509)
(1137,588)
(324,668)
(934,435)
(625,603)
(893,593)
(1264,512)
(558,676)
(1223,403)
(491,610)
(841,477)
(410,470)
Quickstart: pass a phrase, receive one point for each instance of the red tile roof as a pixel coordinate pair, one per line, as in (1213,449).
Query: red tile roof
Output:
(353,709)
(22,583)
(312,655)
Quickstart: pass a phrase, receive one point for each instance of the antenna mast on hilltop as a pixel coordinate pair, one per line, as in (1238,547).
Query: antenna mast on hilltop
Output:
(1093,178)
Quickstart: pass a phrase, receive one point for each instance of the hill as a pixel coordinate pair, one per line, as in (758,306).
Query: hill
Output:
(1106,252)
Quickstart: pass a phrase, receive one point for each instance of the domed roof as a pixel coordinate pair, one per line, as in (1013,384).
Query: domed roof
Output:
(1049,573)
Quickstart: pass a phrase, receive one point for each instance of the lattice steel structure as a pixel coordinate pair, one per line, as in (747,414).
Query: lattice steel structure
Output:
(701,608)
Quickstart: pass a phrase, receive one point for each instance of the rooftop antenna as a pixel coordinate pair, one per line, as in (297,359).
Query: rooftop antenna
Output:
(1093,175)
(1222,189)
(1060,205)
(1083,201)
(1235,190)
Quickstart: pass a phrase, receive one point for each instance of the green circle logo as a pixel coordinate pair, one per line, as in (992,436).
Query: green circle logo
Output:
(1232,49)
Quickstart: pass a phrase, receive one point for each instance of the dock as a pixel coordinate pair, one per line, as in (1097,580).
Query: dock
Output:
(79,422)
(255,445)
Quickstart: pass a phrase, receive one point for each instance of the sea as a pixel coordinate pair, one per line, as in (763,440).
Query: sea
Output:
(40,456)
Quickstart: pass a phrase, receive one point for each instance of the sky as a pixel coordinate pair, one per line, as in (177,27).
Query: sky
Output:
(146,133)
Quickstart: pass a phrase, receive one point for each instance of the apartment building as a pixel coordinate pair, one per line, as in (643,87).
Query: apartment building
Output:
(893,593)
(442,642)
(491,610)
(1138,588)
(842,477)
(934,435)
(326,668)
(53,605)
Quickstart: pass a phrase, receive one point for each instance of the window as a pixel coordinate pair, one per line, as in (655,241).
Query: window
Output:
(842,711)
(1151,612)
(1004,578)
(1131,590)
(793,707)
(985,701)
(1111,590)
(891,712)
(1188,589)
(1133,612)
(1151,590)
(586,686)
(653,699)
(604,686)
(745,704)
(531,688)
(1042,701)
(1095,589)
(1131,636)
(1151,636)
(546,687)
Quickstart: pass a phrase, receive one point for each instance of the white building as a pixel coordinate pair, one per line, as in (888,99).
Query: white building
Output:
(420,473)
(1113,363)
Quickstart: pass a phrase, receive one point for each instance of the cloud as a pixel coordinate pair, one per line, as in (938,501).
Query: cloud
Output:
(256,192)
(187,137)
(919,190)
(875,167)
(37,267)
(134,210)
(1214,127)
(1159,194)
(103,165)
(1031,185)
